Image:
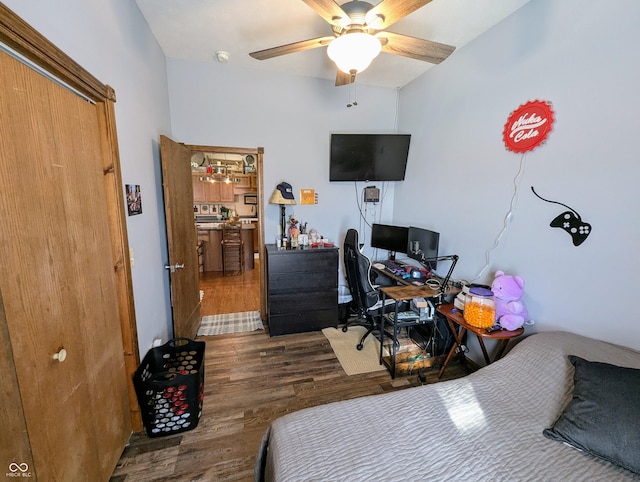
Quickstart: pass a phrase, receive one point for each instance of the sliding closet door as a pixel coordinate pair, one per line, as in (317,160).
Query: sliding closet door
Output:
(57,281)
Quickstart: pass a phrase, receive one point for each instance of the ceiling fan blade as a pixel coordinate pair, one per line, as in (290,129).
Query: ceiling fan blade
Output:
(390,11)
(344,79)
(330,11)
(415,48)
(292,48)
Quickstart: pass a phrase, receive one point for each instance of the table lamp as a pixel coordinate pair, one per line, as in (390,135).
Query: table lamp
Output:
(282,195)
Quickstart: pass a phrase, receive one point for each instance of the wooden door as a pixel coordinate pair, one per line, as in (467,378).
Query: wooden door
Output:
(181,237)
(57,281)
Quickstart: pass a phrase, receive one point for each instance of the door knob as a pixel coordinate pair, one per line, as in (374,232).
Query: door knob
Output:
(173,267)
(61,355)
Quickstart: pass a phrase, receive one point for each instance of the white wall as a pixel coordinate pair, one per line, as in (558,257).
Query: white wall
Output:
(583,58)
(292,118)
(113,42)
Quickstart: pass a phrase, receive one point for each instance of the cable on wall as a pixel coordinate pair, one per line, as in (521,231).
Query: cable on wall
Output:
(368,210)
(507,218)
(395,121)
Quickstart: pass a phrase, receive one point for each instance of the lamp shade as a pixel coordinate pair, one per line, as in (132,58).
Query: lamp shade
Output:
(283,194)
(276,198)
(354,51)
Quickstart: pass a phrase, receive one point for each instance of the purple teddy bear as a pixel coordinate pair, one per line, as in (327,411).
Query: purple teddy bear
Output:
(511,313)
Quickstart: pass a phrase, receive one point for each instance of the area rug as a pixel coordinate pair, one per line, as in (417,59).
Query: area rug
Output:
(352,360)
(230,323)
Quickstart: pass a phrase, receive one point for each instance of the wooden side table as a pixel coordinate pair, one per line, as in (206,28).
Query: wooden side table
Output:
(454,317)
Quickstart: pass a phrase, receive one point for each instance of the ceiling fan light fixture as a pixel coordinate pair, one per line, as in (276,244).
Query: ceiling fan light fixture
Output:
(354,51)
(375,21)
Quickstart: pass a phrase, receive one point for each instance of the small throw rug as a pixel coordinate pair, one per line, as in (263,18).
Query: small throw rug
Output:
(352,360)
(230,323)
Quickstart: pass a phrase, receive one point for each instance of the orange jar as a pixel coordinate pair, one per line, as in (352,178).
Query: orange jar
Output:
(480,308)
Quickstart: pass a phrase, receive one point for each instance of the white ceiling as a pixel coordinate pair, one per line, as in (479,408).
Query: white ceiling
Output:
(196,29)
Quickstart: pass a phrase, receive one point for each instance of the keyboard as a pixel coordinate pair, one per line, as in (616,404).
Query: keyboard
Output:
(392,265)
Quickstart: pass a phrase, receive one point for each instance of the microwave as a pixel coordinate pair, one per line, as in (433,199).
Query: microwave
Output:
(250,199)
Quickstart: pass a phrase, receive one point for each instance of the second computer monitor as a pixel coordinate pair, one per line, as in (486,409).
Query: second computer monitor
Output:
(423,245)
(392,238)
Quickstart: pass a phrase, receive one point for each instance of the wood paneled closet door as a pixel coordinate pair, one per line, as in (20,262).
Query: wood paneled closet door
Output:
(57,281)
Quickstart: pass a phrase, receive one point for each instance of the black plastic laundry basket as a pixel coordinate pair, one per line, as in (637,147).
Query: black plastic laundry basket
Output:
(169,384)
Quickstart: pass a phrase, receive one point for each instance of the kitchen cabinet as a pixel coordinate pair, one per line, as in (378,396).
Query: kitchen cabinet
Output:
(245,183)
(218,191)
(302,289)
(200,190)
(212,253)
(213,250)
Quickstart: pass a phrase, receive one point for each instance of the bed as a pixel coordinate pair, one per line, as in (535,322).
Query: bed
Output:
(486,426)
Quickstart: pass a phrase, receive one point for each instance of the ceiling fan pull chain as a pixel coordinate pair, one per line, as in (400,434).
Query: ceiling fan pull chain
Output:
(355,95)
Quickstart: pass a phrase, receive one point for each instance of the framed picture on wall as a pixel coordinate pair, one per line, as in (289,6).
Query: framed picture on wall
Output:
(134,199)
(249,164)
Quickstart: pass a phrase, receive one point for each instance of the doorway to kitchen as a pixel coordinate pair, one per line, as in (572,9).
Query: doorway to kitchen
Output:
(226,189)
(230,294)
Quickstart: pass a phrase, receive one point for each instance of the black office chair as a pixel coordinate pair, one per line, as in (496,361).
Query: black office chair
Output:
(366,298)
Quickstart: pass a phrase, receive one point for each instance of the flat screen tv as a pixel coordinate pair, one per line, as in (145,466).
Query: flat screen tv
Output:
(368,157)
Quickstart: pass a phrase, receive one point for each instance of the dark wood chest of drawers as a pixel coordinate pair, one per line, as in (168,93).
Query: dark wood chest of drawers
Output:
(302,289)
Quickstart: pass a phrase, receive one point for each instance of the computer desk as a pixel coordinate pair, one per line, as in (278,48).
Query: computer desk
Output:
(405,282)
(403,291)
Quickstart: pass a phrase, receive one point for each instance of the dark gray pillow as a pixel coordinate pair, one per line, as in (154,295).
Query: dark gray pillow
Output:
(603,417)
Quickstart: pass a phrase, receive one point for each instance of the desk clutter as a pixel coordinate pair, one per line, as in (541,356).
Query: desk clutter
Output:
(420,309)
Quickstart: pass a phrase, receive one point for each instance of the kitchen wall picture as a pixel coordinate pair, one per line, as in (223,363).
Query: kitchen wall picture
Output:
(134,199)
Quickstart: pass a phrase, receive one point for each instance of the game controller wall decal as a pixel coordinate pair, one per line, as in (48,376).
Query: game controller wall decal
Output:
(570,222)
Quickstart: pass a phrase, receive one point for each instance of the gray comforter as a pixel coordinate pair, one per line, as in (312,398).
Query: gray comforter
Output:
(483,427)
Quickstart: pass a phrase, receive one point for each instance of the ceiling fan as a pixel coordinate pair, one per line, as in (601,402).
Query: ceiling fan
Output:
(359,35)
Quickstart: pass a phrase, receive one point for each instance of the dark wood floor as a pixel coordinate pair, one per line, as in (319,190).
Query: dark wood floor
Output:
(250,379)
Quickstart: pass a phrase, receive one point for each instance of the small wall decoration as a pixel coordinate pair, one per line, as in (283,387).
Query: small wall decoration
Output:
(528,126)
(570,221)
(308,196)
(134,199)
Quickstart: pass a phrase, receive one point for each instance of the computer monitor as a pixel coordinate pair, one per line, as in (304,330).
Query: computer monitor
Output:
(423,244)
(392,238)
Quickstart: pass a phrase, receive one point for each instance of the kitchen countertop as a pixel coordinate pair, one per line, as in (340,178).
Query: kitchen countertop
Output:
(210,226)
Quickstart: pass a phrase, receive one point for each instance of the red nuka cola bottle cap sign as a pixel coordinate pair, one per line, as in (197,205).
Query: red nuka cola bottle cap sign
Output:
(528,126)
